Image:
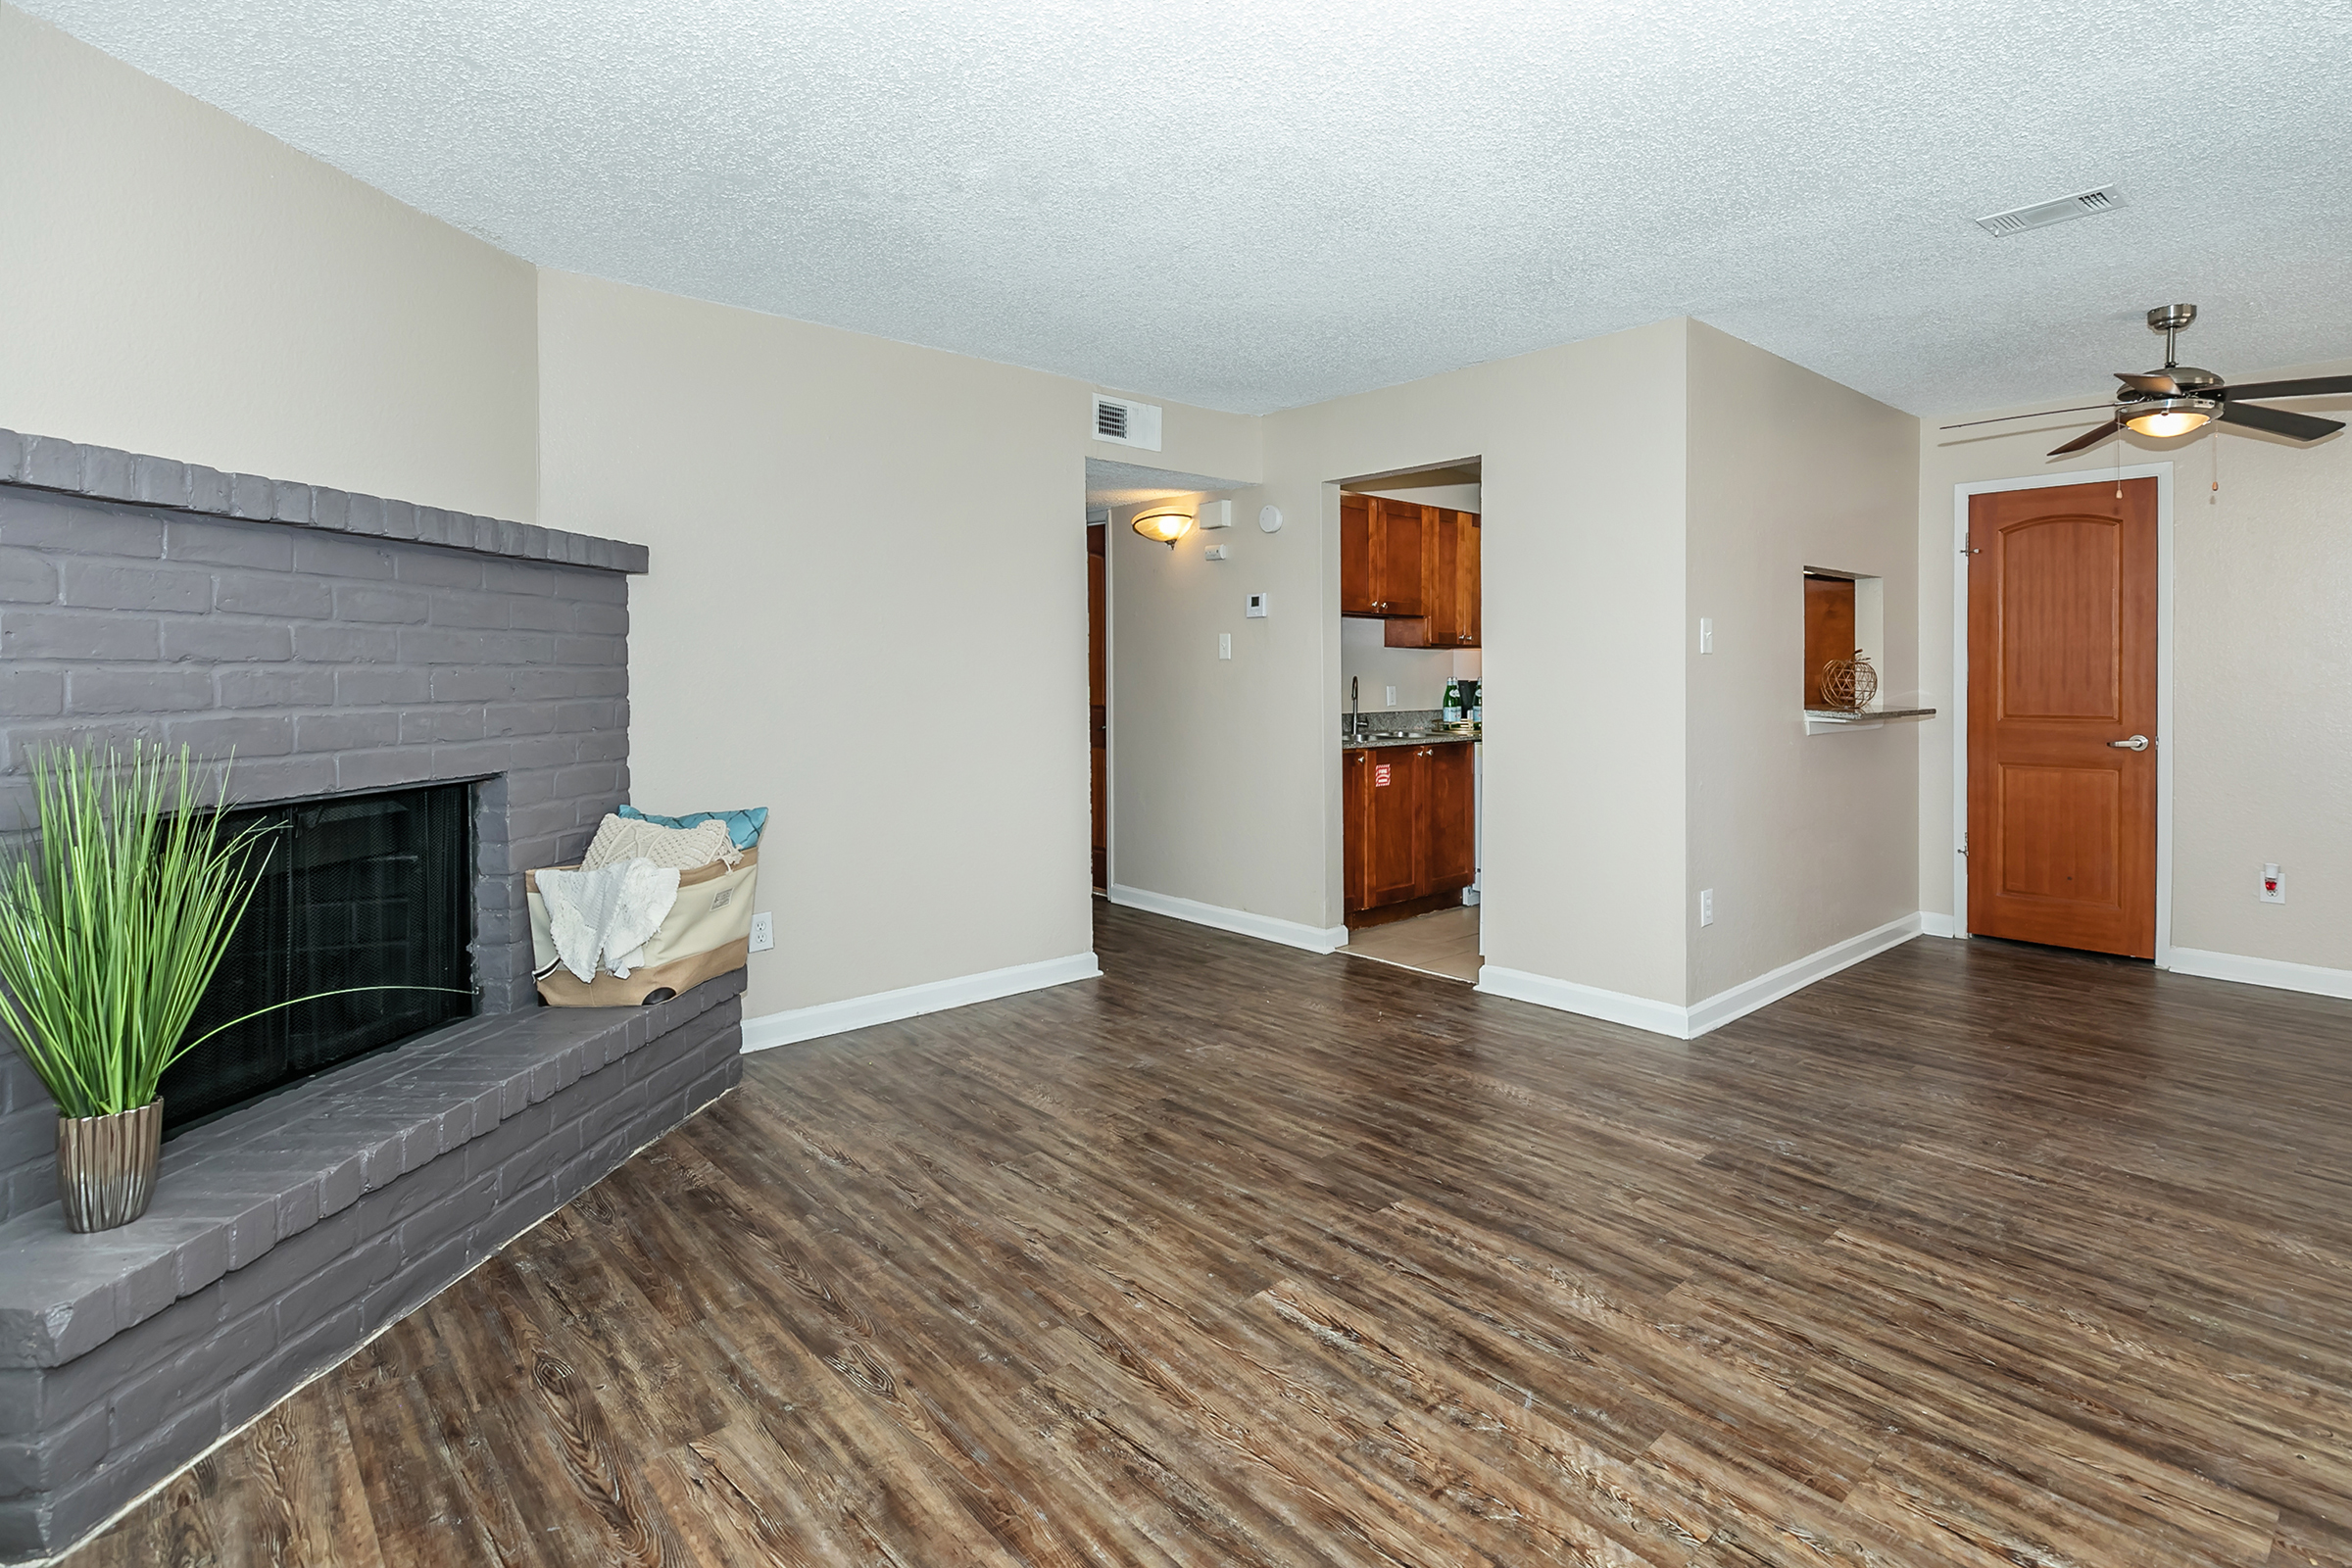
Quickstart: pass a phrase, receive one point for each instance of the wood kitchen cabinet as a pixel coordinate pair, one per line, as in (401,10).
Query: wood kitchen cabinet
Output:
(1381,543)
(1450,585)
(1410,829)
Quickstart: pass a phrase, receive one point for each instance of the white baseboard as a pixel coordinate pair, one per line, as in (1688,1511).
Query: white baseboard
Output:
(1689,1023)
(1749,995)
(888,1006)
(2276,973)
(1610,1006)
(1932,924)
(1264,927)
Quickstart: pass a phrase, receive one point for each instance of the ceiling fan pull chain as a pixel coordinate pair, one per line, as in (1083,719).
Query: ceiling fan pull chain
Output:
(2215,494)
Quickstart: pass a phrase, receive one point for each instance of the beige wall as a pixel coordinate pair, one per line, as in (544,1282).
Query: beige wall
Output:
(2261,658)
(179,283)
(1209,803)
(1806,840)
(1229,789)
(881,637)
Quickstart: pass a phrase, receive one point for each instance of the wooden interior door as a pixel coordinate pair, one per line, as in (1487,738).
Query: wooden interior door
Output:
(2060,682)
(1393,808)
(1098,691)
(1449,859)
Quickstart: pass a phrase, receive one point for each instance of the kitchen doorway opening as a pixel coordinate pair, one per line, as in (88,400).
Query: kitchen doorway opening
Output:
(1411,721)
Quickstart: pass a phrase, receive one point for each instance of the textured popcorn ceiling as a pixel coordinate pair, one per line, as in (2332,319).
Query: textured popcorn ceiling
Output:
(1252,203)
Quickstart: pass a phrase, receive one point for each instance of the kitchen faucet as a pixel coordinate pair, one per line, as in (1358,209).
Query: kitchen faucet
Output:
(1355,700)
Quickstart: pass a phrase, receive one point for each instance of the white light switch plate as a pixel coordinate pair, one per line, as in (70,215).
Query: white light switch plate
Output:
(1706,634)
(1706,906)
(763,931)
(1224,645)
(2274,885)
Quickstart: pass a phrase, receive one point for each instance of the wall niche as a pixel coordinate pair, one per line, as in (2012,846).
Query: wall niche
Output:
(1845,617)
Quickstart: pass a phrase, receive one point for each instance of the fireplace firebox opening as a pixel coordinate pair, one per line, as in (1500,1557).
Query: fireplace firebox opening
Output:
(354,890)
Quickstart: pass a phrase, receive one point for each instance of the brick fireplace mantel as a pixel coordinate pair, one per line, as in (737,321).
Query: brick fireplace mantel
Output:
(102,473)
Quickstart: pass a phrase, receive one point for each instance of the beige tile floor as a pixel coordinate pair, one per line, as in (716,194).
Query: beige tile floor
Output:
(1445,943)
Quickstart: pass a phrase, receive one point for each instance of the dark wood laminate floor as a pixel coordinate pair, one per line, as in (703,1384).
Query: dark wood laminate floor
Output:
(1972,1254)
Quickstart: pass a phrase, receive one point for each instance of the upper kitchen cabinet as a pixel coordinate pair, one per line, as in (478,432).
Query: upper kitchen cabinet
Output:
(1449,593)
(1381,544)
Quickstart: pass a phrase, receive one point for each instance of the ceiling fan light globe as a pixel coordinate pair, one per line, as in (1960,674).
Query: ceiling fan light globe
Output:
(2170,416)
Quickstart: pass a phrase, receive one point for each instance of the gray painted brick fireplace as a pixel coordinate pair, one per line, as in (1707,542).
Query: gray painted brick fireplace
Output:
(336,643)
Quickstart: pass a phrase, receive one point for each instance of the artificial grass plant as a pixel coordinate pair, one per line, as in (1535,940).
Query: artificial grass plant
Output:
(112,926)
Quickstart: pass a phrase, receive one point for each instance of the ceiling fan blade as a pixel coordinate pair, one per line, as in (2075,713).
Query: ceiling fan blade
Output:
(2316,386)
(2089,438)
(2164,386)
(2278,422)
(2046,413)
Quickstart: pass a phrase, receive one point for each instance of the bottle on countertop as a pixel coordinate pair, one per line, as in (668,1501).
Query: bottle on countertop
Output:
(1453,702)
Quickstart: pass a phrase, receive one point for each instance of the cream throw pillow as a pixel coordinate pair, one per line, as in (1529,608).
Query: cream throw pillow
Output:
(681,849)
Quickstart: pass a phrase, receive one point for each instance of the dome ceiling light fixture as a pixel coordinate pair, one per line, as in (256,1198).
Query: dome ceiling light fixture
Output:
(2181,398)
(1163,524)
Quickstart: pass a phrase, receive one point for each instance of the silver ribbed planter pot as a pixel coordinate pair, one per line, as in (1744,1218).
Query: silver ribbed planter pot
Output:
(106,1165)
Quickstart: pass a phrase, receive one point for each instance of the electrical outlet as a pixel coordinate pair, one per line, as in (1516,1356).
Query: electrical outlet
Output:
(1224,645)
(763,931)
(1391,696)
(1706,634)
(1706,906)
(2274,885)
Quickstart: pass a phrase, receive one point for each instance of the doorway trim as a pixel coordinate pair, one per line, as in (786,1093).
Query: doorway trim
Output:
(2161,473)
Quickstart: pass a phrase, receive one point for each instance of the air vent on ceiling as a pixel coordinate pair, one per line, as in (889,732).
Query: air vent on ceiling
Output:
(1126,423)
(2042,215)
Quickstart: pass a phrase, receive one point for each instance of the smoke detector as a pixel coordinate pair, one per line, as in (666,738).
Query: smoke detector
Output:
(1127,423)
(2042,215)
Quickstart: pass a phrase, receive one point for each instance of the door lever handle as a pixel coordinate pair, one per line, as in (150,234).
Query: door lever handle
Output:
(2137,743)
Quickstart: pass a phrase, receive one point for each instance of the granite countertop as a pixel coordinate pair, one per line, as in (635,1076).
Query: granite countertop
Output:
(1430,738)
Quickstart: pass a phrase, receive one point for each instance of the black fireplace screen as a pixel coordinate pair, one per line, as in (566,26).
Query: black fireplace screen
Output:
(367,889)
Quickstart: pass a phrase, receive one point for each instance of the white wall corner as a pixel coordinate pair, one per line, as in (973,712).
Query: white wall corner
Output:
(1932,924)
(1591,1001)
(1749,995)
(2276,973)
(1689,1023)
(888,1006)
(1264,927)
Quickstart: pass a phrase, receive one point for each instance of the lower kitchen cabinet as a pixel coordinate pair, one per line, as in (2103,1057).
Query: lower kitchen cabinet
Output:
(1410,828)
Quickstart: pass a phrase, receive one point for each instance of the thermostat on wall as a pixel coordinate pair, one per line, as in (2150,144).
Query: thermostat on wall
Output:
(1253,605)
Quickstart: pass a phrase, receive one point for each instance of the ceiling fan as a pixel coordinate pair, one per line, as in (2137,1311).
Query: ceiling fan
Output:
(2180,398)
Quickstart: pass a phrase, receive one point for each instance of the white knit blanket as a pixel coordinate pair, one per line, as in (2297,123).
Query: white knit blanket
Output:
(607,915)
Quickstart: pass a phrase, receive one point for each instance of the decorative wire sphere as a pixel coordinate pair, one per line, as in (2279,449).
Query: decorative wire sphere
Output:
(1848,684)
